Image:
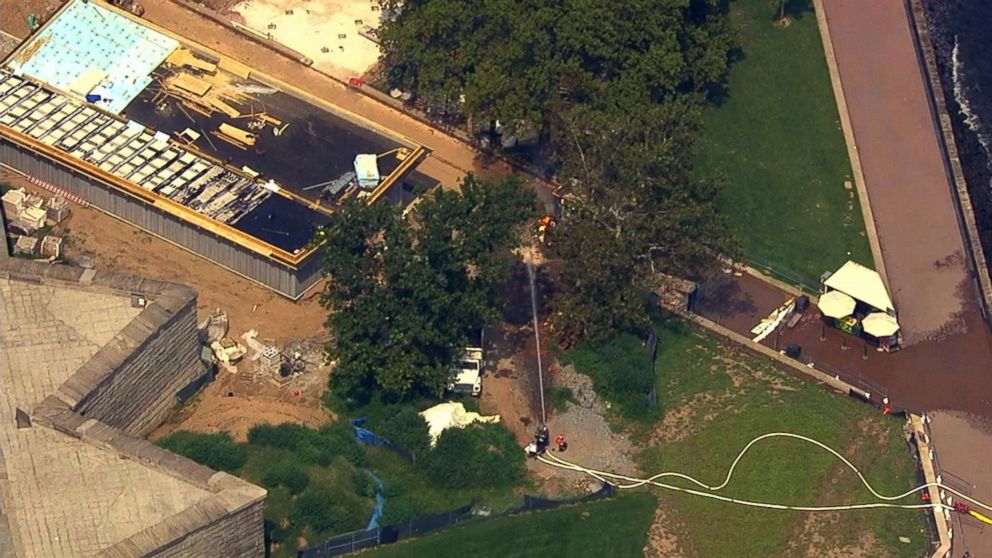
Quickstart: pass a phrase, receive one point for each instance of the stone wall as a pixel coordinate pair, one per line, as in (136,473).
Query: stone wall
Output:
(131,383)
(162,356)
(938,104)
(238,534)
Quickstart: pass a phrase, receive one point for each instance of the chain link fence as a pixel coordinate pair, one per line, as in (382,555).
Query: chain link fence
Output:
(784,274)
(359,540)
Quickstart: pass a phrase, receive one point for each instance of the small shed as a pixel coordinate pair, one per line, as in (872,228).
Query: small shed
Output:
(367,170)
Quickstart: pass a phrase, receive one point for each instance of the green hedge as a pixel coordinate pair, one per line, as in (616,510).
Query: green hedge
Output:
(481,455)
(217,451)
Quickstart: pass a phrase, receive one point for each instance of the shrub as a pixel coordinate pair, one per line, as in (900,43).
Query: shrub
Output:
(338,439)
(308,445)
(287,474)
(364,483)
(217,451)
(324,513)
(285,436)
(408,430)
(482,455)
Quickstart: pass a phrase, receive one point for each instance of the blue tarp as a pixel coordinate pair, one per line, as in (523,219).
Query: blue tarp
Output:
(367,437)
(380,501)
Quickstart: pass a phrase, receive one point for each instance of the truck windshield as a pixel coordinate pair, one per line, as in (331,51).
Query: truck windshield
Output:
(469,365)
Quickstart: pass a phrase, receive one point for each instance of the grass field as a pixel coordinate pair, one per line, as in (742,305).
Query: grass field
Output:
(712,400)
(777,140)
(616,528)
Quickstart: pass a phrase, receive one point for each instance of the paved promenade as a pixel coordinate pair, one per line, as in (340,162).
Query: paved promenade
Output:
(905,176)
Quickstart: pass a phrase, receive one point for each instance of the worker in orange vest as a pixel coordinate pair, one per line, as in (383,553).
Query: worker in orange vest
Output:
(561,443)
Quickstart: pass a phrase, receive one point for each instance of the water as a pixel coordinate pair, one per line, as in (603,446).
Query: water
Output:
(961,31)
(537,338)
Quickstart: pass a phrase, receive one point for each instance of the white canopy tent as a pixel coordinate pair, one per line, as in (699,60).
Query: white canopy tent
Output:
(880,324)
(861,283)
(836,304)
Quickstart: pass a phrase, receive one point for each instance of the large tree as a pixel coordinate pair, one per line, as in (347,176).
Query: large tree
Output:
(616,89)
(404,293)
(522,61)
(633,211)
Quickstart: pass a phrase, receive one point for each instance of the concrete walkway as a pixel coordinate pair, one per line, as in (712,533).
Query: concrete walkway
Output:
(905,177)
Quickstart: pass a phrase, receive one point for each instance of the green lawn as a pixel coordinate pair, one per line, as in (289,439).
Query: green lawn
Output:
(714,400)
(614,528)
(777,139)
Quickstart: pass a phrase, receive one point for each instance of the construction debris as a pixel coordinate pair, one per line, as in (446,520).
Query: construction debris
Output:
(51,247)
(25,246)
(191,83)
(217,326)
(228,351)
(235,68)
(235,136)
(183,57)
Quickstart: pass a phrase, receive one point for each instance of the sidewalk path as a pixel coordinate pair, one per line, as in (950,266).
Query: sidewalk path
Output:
(905,176)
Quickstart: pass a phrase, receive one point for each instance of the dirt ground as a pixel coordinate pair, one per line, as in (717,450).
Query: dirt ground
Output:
(233,405)
(325,32)
(822,534)
(114,244)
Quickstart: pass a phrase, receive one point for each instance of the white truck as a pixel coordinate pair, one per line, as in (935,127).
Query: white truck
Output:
(467,372)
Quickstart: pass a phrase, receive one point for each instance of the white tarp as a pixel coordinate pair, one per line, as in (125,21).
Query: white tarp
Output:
(835,304)
(863,284)
(880,324)
(451,415)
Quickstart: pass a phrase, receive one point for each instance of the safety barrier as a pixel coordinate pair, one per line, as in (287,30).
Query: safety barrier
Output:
(360,540)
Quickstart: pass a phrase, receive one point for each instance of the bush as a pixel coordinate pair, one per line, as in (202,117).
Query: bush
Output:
(287,474)
(308,445)
(325,514)
(285,436)
(408,430)
(338,439)
(217,451)
(482,455)
(364,483)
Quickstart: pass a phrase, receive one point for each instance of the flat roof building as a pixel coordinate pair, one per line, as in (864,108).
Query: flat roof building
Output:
(188,144)
(91,363)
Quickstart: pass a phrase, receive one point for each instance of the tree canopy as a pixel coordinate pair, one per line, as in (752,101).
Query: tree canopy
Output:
(528,61)
(633,210)
(404,293)
(616,88)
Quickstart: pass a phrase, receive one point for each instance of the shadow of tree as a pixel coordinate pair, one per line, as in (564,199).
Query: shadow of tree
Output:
(792,9)
(722,296)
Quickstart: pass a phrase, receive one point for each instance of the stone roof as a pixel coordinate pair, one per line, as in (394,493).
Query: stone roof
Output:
(71,485)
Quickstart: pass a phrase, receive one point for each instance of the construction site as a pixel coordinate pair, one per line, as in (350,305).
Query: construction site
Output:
(190,145)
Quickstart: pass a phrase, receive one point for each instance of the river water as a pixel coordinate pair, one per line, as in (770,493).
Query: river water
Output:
(961,31)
